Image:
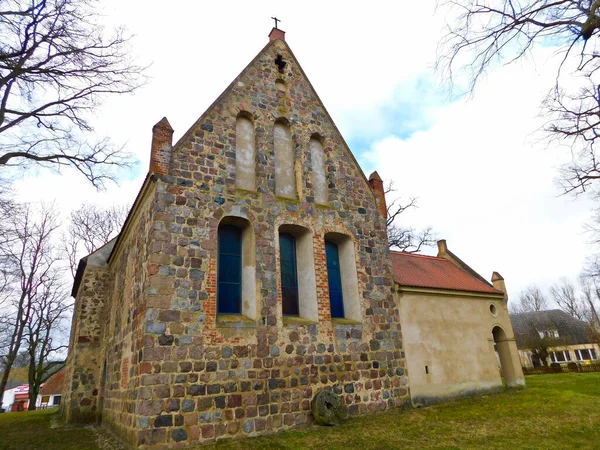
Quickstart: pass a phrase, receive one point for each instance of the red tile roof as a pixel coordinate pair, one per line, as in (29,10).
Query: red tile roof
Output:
(433,272)
(54,385)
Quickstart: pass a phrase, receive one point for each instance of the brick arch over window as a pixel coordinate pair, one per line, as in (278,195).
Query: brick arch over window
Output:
(236,268)
(283,146)
(245,152)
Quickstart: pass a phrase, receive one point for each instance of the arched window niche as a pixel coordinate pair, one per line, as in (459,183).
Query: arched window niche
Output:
(236,268)
(319,173)
(297,274)
(343,279)
(245,152)
(285,181)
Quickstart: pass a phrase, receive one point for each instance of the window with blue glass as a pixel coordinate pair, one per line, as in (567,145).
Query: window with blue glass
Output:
(289,274)
(229,275)
(334,278)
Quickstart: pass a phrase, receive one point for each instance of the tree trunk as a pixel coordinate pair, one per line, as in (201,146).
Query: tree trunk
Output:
(594,312)
(10,359)
(3,382)
(34,387)
(32,399)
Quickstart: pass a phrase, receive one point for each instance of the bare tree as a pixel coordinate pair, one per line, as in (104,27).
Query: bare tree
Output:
(483,33)
(90,227)
(565,296)
(21,361)
(531,299)
(50,304)
(405,239)
(56,64)
(590,295)
(27,251)
(540,347)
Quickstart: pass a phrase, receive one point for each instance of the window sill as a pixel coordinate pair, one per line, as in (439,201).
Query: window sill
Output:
(234,321)
(343,321)
(288,199)
(293,320)
(248,191)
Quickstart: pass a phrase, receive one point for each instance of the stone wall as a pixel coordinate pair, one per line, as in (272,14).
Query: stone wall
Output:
(80,403)
(210,377)
(176,373)
(126,317)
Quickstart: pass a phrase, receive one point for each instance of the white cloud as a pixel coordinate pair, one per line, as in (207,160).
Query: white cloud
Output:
(481,183)
(486,188)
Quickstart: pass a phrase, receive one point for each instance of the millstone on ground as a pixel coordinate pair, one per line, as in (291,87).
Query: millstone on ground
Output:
(327,408)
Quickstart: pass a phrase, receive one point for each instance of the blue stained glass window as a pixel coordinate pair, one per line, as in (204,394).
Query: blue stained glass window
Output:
(334,277)
(229,278)
(289,274)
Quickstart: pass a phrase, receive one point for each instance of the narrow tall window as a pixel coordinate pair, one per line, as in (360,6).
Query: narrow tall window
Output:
(334,277)
(319,177)
(244,154)
(229,275)
(289,274)
(285,181)
(342,277)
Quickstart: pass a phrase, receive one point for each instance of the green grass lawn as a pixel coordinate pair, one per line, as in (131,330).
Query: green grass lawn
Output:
(555,412)
(41,430)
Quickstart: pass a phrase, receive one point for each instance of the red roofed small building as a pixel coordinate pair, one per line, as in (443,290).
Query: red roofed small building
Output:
(455,326)
(52,390)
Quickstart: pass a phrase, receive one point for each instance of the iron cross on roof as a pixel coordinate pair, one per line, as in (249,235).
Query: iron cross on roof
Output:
(276,20)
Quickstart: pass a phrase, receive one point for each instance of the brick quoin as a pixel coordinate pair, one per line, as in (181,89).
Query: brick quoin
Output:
(160,153)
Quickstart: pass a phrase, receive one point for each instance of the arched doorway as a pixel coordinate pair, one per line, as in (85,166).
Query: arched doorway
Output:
(511,377)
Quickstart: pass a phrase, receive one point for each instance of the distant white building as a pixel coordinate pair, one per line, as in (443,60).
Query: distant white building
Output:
(17,398)
(569,340)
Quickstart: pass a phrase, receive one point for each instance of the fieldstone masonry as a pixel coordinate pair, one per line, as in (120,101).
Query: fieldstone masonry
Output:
(161,368)
(85,346)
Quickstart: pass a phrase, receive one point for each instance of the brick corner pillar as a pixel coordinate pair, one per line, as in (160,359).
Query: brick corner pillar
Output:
(162,141)
(377,186)
(276,33)
(498,283)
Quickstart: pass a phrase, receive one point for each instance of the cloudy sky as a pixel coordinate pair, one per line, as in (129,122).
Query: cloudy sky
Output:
(483,181)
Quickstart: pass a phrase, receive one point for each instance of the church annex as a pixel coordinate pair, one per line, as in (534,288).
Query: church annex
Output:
(252,273)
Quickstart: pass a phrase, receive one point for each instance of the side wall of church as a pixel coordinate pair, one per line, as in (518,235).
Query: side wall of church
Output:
(204,376)
(80,402)
(125,321)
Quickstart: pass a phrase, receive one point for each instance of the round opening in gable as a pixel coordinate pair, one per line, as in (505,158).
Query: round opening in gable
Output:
(493,310)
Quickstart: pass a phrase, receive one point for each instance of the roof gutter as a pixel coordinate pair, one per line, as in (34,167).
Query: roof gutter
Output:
(456,293)
(150,177)
(79,275)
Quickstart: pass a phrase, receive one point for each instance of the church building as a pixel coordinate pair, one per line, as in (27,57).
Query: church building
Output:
(253,272)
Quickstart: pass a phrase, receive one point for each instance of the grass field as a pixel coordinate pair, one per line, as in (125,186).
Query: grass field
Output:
(554,412)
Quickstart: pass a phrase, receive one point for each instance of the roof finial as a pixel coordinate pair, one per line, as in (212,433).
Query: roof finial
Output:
(276,20)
